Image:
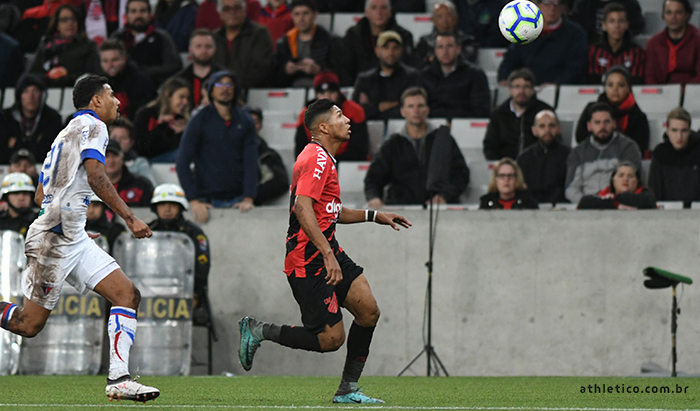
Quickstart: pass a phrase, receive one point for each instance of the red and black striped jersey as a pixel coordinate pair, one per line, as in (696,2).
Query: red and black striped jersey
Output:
(601,58)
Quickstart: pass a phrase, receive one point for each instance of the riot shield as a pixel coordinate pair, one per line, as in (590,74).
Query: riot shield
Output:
(12,262)
(162,268)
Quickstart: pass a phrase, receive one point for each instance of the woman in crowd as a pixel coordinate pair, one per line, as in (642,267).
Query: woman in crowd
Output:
(160,124)
(625,192)
(630,119)
(507,189)
(65,52)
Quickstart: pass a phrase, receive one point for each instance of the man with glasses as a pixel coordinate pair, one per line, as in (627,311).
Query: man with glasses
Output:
(243,47)
(221,141)
(558,56)
(510,127)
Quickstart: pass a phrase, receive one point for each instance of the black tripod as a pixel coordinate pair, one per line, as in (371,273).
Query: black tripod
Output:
(434,363)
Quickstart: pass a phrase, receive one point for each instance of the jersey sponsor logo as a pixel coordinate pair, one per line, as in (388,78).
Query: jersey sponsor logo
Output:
(48,198)
(321,159)
(334,208)
(85,133)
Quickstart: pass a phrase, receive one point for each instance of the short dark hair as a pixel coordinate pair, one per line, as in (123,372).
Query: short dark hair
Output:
(87,87)
(316,109)
(448,34)
(613,7)
(79,17)
(202,32)
(597,107)
(113,44)
(414,91)
(148,3)
(311,4)
(686,5)
(124,123)
(523,73)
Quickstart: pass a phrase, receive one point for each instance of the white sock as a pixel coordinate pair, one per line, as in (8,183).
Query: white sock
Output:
(121,330)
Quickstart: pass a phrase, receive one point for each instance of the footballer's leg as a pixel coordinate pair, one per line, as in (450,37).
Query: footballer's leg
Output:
(121,329)
(363,306)
(27,321)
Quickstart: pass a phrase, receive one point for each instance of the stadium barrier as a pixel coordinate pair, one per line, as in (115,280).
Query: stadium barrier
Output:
(12,262)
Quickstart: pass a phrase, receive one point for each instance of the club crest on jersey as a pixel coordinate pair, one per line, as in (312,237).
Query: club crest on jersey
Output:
(46,288)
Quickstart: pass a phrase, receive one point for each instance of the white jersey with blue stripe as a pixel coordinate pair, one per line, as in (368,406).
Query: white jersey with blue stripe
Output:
(63,176)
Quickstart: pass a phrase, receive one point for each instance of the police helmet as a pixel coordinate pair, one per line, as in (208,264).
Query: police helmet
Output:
(169,193)
(17,183)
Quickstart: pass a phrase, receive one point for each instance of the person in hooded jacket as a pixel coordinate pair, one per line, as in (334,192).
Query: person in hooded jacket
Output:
(625,192)
(18,191)
(29,123)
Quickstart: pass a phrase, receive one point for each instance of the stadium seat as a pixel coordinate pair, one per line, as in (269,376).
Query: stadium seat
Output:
(67,107)
(8,97)
(419,24)
(501,95)
(469,133)
(573,99)
(376,130)
(325,20)
(572,139)
(279,135)
(54,95)
(492,77)
(695,205)
(351,177)
(669,205)
(490,59)
(480,176)
(165,173)
(653,21)
(548,94)
(347,91)
(278,99)
(473,155)
(288,158)
(343,21)
(657,128)
(690,99)
(650,5)
(657,100)
(270,116)
(567,131)
(646,164)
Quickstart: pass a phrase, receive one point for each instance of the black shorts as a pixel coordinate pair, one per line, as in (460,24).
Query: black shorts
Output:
(320,302)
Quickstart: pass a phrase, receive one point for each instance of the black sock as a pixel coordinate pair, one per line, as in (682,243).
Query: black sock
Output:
(359,340)
(271,332)
(299,337)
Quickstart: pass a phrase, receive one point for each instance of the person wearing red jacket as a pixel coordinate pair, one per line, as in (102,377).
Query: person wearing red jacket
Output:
(277,17)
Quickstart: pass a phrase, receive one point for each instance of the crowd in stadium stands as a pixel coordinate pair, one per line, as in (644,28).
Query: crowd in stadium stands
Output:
(377,71)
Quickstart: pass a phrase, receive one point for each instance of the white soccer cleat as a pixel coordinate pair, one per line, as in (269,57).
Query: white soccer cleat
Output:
(126,388)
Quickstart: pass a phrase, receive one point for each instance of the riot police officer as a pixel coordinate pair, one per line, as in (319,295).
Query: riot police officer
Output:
(18,191)
(100,219)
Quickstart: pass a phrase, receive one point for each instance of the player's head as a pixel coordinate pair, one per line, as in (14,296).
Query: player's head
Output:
(94,93)
(324,118)
(168,202)
(18,190)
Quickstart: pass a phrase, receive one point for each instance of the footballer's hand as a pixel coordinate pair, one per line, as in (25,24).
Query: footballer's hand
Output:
(392,219)
(200,211)
(333,273)
(138,228)
(93,236)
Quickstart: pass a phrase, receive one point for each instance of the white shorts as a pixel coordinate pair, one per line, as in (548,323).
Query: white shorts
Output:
(52,259)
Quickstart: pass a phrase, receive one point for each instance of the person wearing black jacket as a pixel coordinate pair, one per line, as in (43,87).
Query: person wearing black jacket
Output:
(273,181)
(100,219)
(444,20)
(544,163)
(625,192)
(455,88)
(675,164)
(419,163)
(360,39)
(305,50)
(378,90)
(510,128)
(507,189)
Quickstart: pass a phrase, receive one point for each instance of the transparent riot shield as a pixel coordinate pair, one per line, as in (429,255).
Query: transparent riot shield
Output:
(162,268)
(12,262)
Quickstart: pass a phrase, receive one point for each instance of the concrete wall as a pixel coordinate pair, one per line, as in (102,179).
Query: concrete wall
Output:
(515,293)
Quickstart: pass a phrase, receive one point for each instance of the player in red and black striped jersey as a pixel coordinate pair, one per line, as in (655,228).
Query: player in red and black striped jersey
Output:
(322,277)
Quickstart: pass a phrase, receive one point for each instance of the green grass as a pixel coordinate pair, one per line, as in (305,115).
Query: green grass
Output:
(49,393)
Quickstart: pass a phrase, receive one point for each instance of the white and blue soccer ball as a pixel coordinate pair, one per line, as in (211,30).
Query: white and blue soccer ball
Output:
(520,21)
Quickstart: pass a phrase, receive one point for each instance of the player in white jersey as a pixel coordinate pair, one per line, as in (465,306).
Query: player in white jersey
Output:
(58,248)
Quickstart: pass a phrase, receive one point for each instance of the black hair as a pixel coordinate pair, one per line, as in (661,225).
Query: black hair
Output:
(316,109)
(311,4)
(600,107)
(113,44)
(523,73)
(79,18)
(148,3)
(613,7)
(126,124)
(686,6)
(86,88)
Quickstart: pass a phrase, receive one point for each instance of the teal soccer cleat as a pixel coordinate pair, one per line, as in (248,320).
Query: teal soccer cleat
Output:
(249,342)
(356,397)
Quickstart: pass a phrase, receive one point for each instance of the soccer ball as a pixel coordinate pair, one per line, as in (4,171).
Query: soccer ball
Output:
(520,21)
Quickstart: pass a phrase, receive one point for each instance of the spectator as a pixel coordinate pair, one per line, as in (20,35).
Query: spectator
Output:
(615,48)
(327,85)
(629,118)
(360,40)
(273,181)
(625,192)
(444,21)
(544,164)
(208,14)
(379,89)
(169,204)
(122,131)
(132,87)
(221,141)
(202,50)
(104,17)
(277,17)
(29,123)
(673,55)
(510,129)
(100,220)
(479,19)
(507,189)
(675,164)
(35,21)
(18,191)
(306,50)
(23,161)
(177,17)
(11,61)
(419,163)
(135,190)
(65,52)
(160,124)
(590,163)
(455,88)
(149,47)
(590,15)
(557,56)
(408,6)
(244,47)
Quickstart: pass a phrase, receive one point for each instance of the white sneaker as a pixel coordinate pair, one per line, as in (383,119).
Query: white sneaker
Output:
(126,388)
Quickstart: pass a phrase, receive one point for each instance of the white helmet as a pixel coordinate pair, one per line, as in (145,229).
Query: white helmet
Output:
(169,193)
(95,199)
(17,183)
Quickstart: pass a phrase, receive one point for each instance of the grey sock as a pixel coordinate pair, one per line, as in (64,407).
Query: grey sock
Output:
(271,332)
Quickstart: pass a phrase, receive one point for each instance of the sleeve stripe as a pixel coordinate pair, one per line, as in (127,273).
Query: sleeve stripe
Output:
(92,153)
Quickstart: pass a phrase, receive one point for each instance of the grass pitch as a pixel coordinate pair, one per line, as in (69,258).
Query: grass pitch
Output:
(62,393)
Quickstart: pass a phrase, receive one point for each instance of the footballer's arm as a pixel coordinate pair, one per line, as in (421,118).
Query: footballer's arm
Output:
(39,195)
(351,216)
(304,210)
